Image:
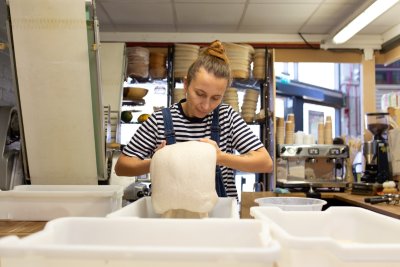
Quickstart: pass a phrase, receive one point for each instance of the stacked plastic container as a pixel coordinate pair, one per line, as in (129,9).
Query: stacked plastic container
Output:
(337,237)
(135,236)
(47,202)
(122,242)
(294,235)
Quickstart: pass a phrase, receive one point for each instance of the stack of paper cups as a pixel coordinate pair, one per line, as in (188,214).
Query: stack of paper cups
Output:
(328,131)
(290,117)
(308,139)
(299,137)
(321,139)
(280,130)
(289,132)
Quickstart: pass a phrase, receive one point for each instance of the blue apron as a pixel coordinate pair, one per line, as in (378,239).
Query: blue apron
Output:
(170,138)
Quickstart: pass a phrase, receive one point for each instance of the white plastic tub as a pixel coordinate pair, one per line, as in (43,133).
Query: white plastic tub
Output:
(123,242)
(339,236)
(226,207)
(292,203)
(47,202)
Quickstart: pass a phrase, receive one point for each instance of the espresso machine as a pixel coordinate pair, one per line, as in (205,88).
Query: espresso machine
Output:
(300,166)
(376,151)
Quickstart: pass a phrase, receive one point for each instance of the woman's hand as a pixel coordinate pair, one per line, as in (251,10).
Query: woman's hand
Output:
(163,144)
(258,161)
(212,142)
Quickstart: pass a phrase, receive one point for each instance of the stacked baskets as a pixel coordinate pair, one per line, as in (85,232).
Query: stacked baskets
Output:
(138,62)
(240,57)
(184,56)
(157,65)
(231,98)
(249,105)
(178,95)
(259,64)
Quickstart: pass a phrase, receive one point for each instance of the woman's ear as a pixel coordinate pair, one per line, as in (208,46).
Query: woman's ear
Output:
(185,82)
(185,86)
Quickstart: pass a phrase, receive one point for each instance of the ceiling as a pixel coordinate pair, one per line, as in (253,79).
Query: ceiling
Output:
(264,21)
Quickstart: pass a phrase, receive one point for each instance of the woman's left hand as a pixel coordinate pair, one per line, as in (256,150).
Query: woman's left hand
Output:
(212,142)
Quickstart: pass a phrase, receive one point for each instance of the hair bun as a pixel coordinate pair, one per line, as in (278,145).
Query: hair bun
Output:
(216,49)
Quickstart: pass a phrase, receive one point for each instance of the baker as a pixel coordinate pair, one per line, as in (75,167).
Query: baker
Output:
(200,116)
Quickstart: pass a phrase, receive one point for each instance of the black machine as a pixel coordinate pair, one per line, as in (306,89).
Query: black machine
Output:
(376,151)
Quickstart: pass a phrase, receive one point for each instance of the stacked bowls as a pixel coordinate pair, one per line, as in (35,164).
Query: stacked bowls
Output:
(249,105)
(135,93)
(259,64)
(138,63)
(178,95)
(231,98)
(157,65)
(240,56)
(184,56)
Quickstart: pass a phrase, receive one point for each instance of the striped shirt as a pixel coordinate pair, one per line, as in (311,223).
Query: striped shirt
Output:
(235,135)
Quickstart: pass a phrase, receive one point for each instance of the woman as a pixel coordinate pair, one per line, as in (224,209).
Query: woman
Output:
(192,119)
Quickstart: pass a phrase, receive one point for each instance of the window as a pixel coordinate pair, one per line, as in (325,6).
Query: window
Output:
(314,114)
(313,91)
(318,74)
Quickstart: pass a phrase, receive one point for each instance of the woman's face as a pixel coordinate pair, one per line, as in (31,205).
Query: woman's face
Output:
(204,94)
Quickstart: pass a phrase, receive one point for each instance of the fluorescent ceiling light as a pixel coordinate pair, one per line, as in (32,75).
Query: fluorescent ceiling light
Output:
(367,16)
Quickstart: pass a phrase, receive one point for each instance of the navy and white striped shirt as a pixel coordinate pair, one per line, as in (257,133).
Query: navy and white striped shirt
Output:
(234,135)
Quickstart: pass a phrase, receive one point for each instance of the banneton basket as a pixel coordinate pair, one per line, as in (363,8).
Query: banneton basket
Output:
(292,203)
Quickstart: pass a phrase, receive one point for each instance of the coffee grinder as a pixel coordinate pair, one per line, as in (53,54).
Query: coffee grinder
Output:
(376,151)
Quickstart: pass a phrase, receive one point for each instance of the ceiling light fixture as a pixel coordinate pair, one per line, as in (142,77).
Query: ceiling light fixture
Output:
(367,16)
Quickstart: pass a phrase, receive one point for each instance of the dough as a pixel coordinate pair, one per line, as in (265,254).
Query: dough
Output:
(183,180)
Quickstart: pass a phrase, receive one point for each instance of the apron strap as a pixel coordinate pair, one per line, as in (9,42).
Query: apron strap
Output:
(168,127)
(215,132)
(215,129)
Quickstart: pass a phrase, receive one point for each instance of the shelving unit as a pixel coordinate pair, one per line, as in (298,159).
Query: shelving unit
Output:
(266,103)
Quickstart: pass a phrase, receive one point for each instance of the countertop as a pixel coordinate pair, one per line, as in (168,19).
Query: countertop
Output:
(20,228)
(247,201)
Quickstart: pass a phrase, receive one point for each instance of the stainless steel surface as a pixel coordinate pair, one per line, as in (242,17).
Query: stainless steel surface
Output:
(313,151)
(10,156)
(316,165)
(369,150)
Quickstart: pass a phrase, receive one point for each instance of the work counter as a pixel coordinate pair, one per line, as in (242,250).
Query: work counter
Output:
(247,201)
(20,228)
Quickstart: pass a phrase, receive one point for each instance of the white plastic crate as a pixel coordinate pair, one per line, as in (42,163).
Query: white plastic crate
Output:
(226,207)
(292,203)
(123,242)
(47,202)
(339,236)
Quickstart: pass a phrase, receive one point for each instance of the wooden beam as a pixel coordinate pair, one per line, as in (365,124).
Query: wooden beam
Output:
(368,85)
(317,55)
(389,57)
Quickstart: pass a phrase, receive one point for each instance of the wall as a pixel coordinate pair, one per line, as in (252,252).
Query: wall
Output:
(7,96)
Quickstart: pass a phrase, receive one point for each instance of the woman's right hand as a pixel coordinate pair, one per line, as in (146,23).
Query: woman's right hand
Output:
(163,144)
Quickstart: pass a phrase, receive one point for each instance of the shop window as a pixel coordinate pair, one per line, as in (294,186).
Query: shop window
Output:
(313,114)
(318,74)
